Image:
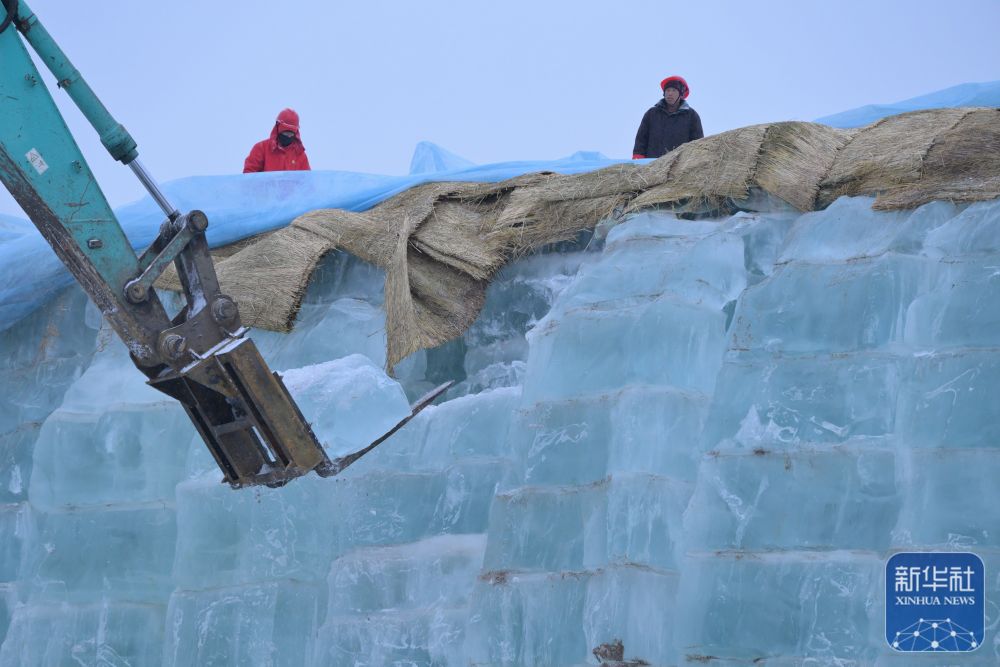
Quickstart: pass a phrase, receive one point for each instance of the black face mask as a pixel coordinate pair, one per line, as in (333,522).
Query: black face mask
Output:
(286,139)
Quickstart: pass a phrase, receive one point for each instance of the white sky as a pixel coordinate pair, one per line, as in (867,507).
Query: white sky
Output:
(197,83)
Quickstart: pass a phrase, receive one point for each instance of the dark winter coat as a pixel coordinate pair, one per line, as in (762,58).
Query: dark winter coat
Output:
(661,131)
(269,155)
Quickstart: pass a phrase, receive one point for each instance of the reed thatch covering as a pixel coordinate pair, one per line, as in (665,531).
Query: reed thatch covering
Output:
(962,164)
(441,243)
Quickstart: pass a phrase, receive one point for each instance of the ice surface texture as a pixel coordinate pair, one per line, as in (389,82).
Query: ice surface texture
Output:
(701,439)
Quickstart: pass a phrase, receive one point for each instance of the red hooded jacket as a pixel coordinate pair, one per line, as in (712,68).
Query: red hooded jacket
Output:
(269,155)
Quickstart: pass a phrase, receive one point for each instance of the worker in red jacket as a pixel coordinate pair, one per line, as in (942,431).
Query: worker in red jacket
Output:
(283,151)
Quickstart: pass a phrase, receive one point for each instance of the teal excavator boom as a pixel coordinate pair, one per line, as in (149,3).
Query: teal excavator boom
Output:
(202,356)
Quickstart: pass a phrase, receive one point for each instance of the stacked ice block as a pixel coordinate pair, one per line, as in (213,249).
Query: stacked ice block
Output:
(695,443)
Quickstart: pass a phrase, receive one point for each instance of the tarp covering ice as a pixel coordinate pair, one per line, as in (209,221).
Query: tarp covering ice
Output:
(985,94)
(441,243)
(242,205)
(790,160)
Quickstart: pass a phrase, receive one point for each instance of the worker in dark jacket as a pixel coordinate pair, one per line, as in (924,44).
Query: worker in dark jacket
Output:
(282,151)
(669,123)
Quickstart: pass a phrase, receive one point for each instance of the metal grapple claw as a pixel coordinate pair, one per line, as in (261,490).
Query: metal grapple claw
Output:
(245,415)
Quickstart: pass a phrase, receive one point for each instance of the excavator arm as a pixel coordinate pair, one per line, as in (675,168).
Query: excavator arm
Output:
(202,356)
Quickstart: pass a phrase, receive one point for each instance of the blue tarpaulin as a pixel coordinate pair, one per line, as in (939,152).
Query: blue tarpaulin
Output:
(965,95)
(242,205)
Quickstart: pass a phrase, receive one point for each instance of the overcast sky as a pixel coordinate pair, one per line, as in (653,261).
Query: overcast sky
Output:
(197,83)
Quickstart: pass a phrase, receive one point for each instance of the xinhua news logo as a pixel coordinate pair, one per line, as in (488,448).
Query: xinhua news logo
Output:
(935,602)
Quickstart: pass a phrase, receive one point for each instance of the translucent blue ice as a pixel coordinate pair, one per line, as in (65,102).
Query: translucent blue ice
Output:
(697,440)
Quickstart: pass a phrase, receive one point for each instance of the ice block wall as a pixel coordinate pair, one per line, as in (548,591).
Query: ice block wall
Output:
(694,442)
